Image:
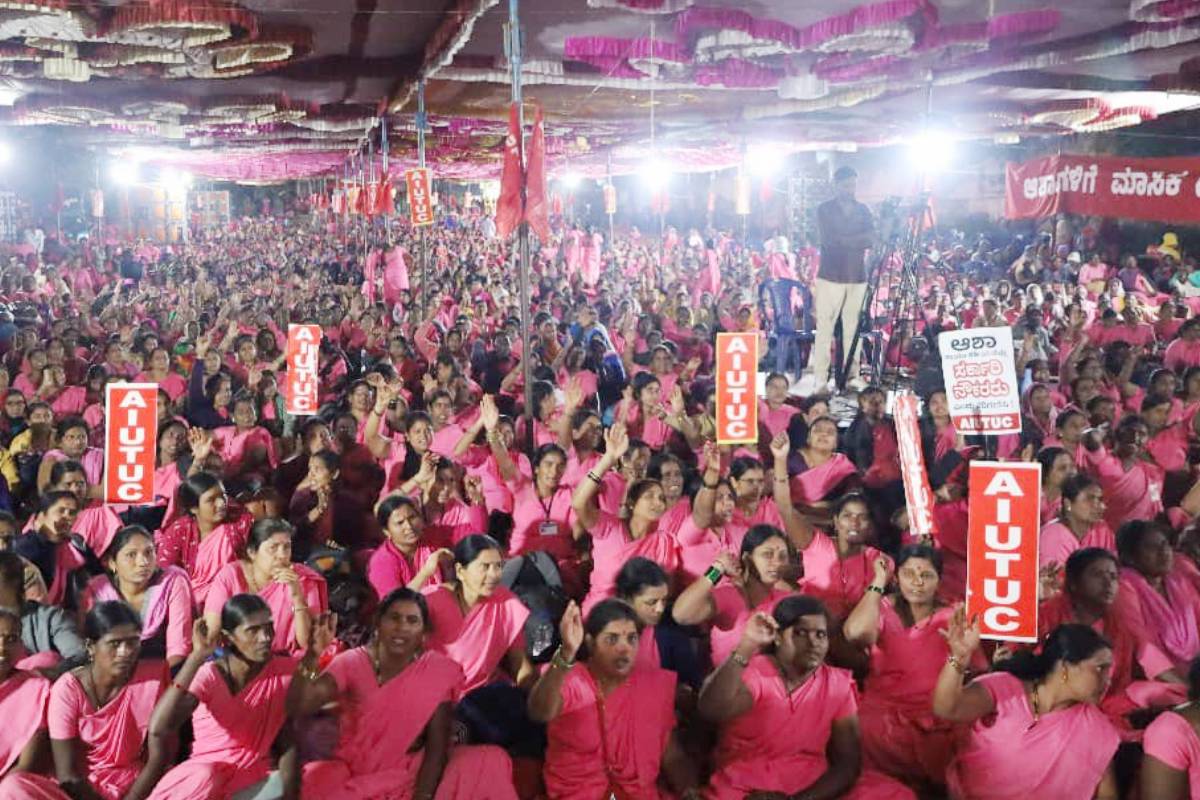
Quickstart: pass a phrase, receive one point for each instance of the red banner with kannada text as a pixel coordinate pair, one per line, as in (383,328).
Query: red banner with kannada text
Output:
(130,442)
(737,402)
(1004,521)
(303,347)
(1160,189)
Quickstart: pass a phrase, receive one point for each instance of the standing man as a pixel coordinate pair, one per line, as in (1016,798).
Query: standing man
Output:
(846,230)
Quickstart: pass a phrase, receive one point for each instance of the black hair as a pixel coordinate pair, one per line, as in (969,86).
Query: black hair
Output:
(638,574)
(1076,484)
(403,595)
(1194,680)
(1154,400)
(122,537)
(539,391)
(1066,416)
(237,610)
(67,423)
(108,615)
(63,467)
(389,505)
(332,460)
(12,572)
(1067,644)
(471,547)
(847,499)
(1047,456)
(759,535)
(922,551)
(743,464)
(641,381)
(607,612)
(48,499)
(193,488)
(789,610)
(264,529)
(546,450)
(1080,560)
(1130,536)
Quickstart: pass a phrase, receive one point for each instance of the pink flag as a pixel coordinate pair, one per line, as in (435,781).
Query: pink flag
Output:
(369,272)
(395,275)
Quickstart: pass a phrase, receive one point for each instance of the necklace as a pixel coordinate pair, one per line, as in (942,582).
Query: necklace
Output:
(1037,711)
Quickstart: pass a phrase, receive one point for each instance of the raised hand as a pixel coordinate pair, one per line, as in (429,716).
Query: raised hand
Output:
(729,565)
(678,406)
(760,631)
(324,631)
(574,394)
(781,445)
(204,641)
(201,442)
(712,458)
(962,637)
(570,630)
(882,572)
(489,413)
(616,441)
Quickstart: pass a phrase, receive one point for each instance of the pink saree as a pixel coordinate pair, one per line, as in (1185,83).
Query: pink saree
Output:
(479,640)
(376,759)
(231,580)
(23,700)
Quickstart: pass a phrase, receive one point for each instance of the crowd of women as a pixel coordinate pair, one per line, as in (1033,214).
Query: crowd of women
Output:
(422,591)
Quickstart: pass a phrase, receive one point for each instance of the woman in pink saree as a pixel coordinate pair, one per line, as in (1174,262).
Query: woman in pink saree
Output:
(713,504)
(1171,765)
(817,470)
(1157,593)
(296,594)
(413,554)
(789,724)
(23,740)
(1079,524)
(238,705)
(207,535)
(1057,467)
(900,735)
(1132,485)
(1035,730)
(395,756)
(609,721)
(99,713)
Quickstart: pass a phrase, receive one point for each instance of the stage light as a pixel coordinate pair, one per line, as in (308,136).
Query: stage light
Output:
(656,174)
(571,180)
(931,150)
(124,173)
(5,152)
(762,160)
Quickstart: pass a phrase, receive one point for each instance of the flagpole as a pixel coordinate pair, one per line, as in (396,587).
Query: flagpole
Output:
(422,243)
(514,58)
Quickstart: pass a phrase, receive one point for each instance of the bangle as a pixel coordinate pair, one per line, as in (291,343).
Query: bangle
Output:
(714,574)
(874,588)
(739,659)
(310,674)
(296,609)
(710,486)
(560,661)
(956,662)
(592,476)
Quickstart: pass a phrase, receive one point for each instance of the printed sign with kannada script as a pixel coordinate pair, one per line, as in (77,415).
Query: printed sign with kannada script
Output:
(737,404)
(130,442)
(1004,521)
(980,372)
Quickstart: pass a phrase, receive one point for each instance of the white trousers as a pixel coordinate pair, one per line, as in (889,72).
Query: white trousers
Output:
(831,301)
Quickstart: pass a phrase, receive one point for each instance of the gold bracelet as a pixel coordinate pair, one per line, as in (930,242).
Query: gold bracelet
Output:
(558,660)
(955,662)
(739,659)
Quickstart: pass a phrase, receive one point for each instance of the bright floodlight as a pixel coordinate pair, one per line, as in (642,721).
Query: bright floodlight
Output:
(5,152)
(931,150)
(656,174)
(762,160)
(124,173)
(571,180)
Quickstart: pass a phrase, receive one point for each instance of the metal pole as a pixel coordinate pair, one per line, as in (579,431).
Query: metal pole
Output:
(611,235)
(514,58)
(423,295)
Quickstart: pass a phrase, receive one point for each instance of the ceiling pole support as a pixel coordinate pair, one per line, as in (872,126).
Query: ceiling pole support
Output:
(514,60)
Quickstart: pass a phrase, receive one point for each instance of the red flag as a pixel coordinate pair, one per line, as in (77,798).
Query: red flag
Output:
(383,199)
(536,210)
(508,206)
(371,200)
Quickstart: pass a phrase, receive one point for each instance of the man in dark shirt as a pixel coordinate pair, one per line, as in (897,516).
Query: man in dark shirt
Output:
(846,230)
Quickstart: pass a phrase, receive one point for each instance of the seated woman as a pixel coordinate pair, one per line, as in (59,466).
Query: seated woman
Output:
(1030,719)
(713,504)
(645,587)
(1080,523)
(1142,676)
(295,593)
(1057,467)
(245,446)
(325,512)
(161,596)
(237,703)
(413,554)
(1132,484)
(789,724)
(610,723)
(614,540)
(839,568)
(1157,594)
(99,712)
(207,536)
(72,444)
(49,546)
(817,470)
(1171,765)
(900,735)
(411,753)
(97,521)
(479,624)
(759,578)
(49,634)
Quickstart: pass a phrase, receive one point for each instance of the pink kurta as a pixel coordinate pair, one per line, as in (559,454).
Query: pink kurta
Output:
(113,736)
(730,615)
(637,718)
(839,583)
(166,608)
(699,548)
(767,513)
(1132,494)
(900,735)
(1057,541)
(779,745)
(542,523)
(377,754)
(775,420)
(389,568)
(1172,740)
(1006,757)
(233,445)
(817,483)
(612,547)
(479,640)
(234,733)
(231,580)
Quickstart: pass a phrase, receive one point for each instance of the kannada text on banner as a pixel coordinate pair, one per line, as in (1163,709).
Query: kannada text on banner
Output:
(980,372)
